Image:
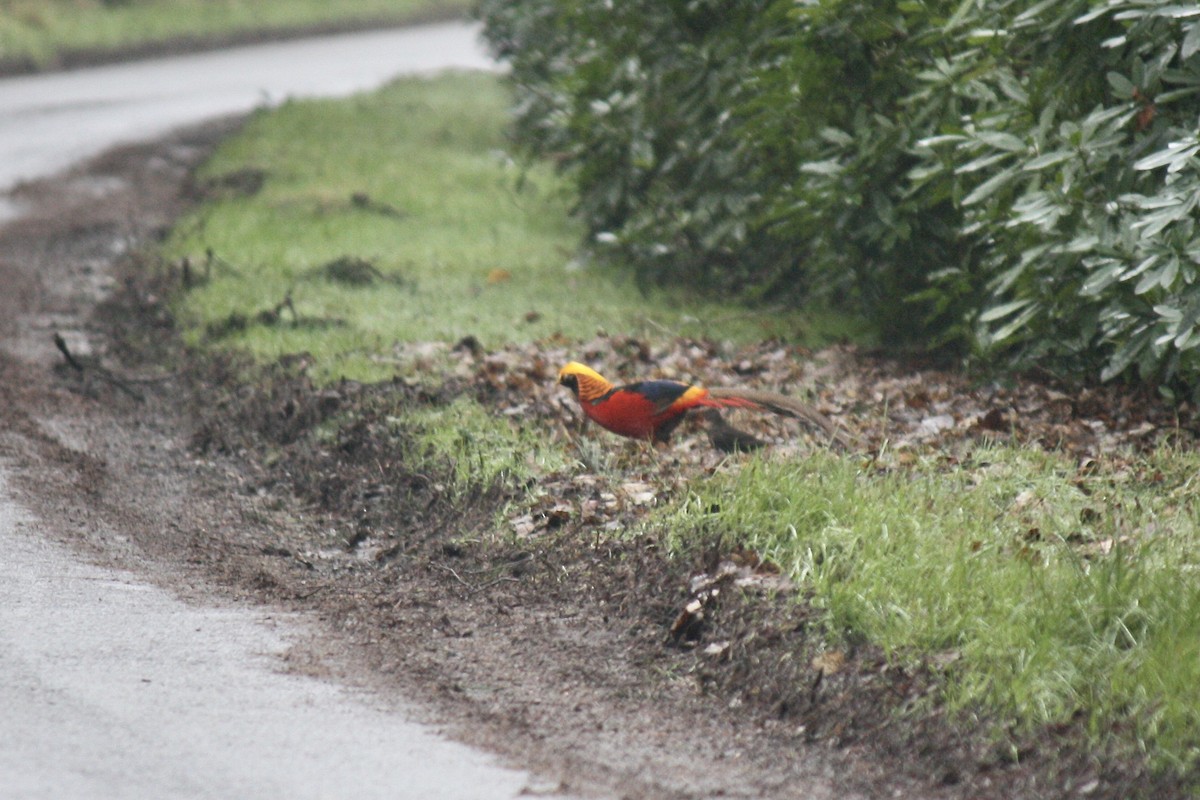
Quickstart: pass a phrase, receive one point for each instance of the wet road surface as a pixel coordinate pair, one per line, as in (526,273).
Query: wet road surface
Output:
(52,120)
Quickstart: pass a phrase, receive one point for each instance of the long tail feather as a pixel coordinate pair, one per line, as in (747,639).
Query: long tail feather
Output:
(783,405)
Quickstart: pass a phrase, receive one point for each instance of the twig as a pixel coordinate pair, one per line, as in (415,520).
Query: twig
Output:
(480,587)
(660,327)
(96,369)
(457,577)
(61,344)
(491,583)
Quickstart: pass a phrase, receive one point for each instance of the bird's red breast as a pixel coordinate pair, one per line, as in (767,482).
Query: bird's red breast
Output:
(641,410)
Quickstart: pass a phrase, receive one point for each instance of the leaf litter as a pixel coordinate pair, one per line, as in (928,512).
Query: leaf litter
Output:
(892,410)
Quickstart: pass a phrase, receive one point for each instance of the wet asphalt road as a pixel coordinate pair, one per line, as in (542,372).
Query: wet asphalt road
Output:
(52,120)
(113,688)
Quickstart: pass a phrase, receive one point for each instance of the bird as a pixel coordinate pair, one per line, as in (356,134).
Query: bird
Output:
(652,409)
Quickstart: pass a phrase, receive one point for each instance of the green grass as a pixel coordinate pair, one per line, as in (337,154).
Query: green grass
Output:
(468,242)
(41,30)
(1047,591)
(483,450)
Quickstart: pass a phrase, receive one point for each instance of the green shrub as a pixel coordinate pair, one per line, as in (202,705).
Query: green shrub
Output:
(635,98)
(1015,178)
(834,128)
(1074,173)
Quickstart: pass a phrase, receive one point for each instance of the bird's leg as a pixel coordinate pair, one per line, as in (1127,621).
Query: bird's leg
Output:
(727,438)
(663,434)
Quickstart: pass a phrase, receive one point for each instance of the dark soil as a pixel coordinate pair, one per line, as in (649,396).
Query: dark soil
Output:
(602,663)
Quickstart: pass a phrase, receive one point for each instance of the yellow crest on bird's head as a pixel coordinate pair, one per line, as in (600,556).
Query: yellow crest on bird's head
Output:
(575,369)
(587,383)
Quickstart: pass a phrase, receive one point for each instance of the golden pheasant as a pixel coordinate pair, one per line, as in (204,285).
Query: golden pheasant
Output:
(653,409)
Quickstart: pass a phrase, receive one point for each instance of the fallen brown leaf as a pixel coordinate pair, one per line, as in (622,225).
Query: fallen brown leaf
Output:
(829,663)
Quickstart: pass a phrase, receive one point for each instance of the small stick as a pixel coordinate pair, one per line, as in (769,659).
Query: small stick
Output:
(61,344)
(74,363)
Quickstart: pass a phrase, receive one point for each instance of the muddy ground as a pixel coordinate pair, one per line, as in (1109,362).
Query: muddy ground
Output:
(555,649)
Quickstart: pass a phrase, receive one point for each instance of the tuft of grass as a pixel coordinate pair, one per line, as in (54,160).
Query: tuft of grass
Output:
(415,180)
(482,449)
(1048,592)
(41,31)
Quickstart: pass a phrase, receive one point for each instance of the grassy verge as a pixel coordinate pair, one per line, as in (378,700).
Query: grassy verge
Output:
(398,218)
(361,231)
(42,32)
(1041,590)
